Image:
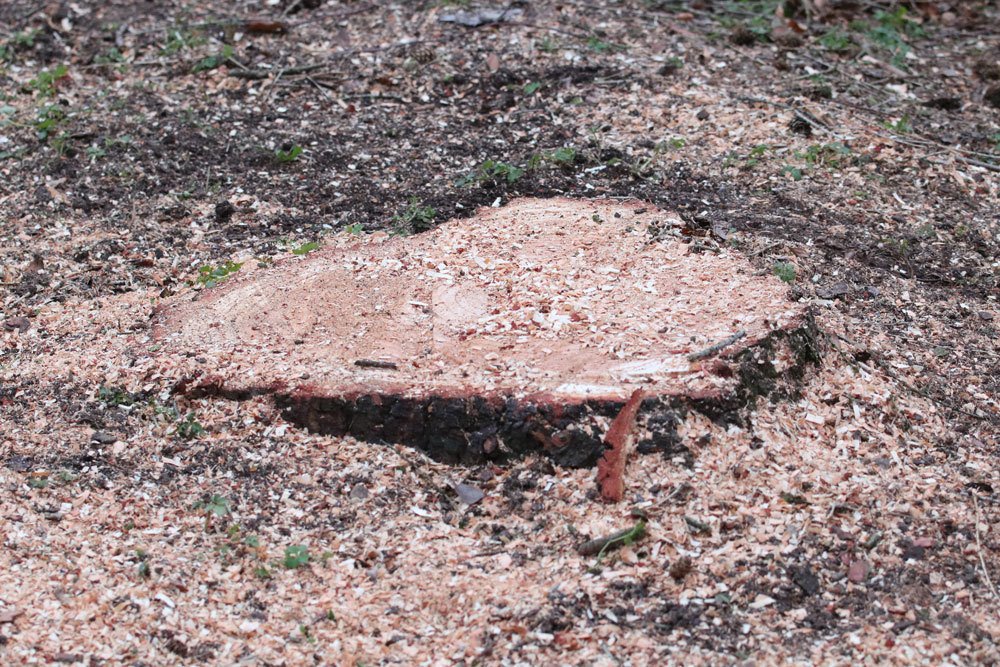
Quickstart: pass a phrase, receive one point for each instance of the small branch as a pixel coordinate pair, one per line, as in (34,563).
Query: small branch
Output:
(979,551)
(256,74)
(375,363)
(718,347)
(807,117)
(599,545)
(618,441)
(958,154)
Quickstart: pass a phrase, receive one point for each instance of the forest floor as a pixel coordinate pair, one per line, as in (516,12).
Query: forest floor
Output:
(148,148)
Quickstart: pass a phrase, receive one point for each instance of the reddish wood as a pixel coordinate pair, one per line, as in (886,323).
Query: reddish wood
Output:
(264,26)
(619,440)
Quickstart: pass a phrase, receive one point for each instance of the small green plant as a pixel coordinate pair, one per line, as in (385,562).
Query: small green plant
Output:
(295,557)
(304,630)
(38,482)
(829,155)
(564,156)
(901,126)
(890,32)
(634,534)
(531,88)
(794,172)
(19,41)
(95,153)
(189,428)
(785,271)
(143,569)
(417,217)
(600,46)
(288,153)
(261,572)
(114,396)
(178,39)
(46,81)
(110,57)
(48,121)
(215,61)
(355,228)
(210,276)
(492,171)
(217,505)
(547,45)
(305,248)
(756,153)
(836,40)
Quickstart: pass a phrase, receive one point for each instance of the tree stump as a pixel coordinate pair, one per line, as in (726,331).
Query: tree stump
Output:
(521,328)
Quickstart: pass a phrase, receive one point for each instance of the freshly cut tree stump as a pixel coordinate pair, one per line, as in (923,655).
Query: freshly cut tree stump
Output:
(522,328)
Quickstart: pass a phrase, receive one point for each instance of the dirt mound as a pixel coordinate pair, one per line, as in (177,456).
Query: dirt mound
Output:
(520,327)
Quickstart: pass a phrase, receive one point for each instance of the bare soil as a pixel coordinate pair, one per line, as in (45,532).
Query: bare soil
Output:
(147,149)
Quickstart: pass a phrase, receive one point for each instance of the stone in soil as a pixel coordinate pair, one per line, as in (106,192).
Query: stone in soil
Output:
(521,328)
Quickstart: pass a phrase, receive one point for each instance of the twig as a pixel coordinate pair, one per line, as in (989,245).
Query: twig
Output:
(292,6)
(804,115)
(718,347)
(956,152)
(263,73)
(599,545)
(375,96)
(375,363)
(979,551)
(272,87)
(319,87)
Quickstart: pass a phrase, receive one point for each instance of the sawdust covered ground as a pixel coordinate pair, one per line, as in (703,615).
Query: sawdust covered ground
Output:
(853,522)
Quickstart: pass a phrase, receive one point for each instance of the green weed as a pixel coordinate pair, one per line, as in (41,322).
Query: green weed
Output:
(636,533)
(210,276)
(217,60)
(216,505)
(785,271)
(189,428)
(890,33)
(295,557)
(600,46)
(45,82)
(288,153)
(18,42)
(114,396)
(837,41)
(547,45)
(416,217)
(792,171)
(305,248)
(755,155)
(178,39)
(492,171)
(829,155)
(48,120)
(901,126)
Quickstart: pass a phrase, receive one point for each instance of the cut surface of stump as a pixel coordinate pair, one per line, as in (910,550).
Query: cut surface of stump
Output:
(523,327)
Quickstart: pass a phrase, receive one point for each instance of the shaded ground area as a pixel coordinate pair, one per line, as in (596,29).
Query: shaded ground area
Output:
(148,151)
